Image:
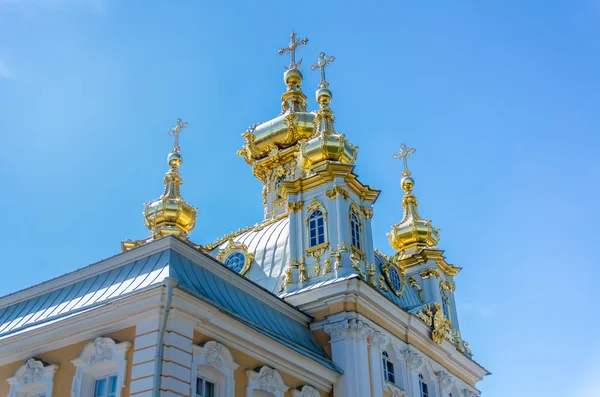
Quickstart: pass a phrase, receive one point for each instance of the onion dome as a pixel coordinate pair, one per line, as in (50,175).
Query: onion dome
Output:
(293,123)
(412,232)
(170,214)
(327,145)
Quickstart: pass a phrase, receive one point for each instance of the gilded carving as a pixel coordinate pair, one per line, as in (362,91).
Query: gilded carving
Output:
(302,268)
(434,318)
(415,284)
(367,212)
(371,272)
(237,246)
(382,285)
(295,207)
(337,191)
(387,270)
(430,272)
(447,285)
(327,268)
(355,263)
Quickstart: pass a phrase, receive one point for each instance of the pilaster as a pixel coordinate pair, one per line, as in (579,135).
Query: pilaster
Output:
(349,350)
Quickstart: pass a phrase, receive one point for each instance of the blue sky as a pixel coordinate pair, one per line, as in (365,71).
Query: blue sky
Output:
(500,98)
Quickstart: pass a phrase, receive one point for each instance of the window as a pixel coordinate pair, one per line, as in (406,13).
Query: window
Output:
(446,304)
(423,386)
(355,229)
(316,228)
(278,185)
(388,368)
(106,386)
(100,369)
(204,388)
(32,379)
(236,262)
(212,374)
(395,279)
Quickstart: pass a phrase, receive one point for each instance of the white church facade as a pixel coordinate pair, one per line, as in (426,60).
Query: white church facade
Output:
(299,305)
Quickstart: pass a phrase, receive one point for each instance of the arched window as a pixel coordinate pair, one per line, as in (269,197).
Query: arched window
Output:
(423,386)
(316,228)
(446,304)
(212,370)
(355,230)
(33,379)
(236,262)
(388,368)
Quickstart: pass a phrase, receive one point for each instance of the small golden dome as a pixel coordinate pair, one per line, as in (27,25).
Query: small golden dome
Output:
(412,232)
(170,214)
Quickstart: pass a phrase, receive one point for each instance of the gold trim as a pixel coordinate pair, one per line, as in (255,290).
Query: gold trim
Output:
(429,272)
(324,246)
(447,285)
(295,207)
(386,271)
(415,284)
(337,191)
(255,228)
(235,246)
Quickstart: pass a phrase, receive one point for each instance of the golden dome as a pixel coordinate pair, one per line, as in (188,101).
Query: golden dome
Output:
(170,214)
(412,232)
(327,145)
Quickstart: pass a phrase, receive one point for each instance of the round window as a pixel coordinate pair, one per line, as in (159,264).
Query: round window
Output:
(236,261)
(395,279)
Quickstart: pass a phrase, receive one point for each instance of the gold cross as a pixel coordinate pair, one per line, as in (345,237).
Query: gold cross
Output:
(403,154)
(179,126)
(291,48)
(322,63)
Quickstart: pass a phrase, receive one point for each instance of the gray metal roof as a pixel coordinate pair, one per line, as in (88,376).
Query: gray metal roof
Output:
(150,271)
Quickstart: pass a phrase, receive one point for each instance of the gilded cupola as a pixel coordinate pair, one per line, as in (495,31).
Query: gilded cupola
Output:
(412,232)
(170,214)
(327,144)
(264,140)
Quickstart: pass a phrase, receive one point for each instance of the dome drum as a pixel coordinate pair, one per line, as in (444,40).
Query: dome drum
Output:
(328,147)
(170,216)
(281,132)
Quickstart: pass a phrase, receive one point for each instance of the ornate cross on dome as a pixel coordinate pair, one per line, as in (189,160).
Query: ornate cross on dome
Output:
(322,63)
(403,154)
(291,48)
(179,126)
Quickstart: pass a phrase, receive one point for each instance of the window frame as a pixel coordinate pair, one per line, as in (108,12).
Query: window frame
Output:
(387,363)
(100,358)
(108,378)
(422,382)
(213,362)
(32,379)
(316,219)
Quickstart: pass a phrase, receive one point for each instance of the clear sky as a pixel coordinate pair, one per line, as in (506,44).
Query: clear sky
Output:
(500,98)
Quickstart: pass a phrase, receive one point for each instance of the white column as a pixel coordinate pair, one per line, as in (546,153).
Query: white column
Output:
(413,363)
(349,350)
(177,357)
(376,347)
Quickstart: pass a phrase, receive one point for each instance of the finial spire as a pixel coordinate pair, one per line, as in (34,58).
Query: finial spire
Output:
(291,48)
(321,64)
(403,154)
(179,126)
(412,232)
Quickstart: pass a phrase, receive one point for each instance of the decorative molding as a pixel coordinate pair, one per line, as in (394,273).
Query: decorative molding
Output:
(415,284)
(413,359)
(349,329)
(447,286)
(215,362)
(101,357)
(32,378)
(429,272)
(379,340)
(394,390)
(295,207)
(434,318)
(236,246)
(267,379)
(367,212)
(469,393)
(337,191)
(306,391)
(445,380)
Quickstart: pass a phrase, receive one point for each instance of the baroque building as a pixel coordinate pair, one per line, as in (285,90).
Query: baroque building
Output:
(299,305)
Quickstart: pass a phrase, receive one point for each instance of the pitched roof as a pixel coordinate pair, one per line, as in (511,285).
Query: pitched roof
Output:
(241,299)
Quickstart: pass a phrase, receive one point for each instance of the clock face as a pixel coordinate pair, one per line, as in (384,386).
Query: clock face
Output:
(236,261)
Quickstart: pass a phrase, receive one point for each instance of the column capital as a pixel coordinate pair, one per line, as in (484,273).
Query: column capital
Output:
(349,329)
(413,359)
